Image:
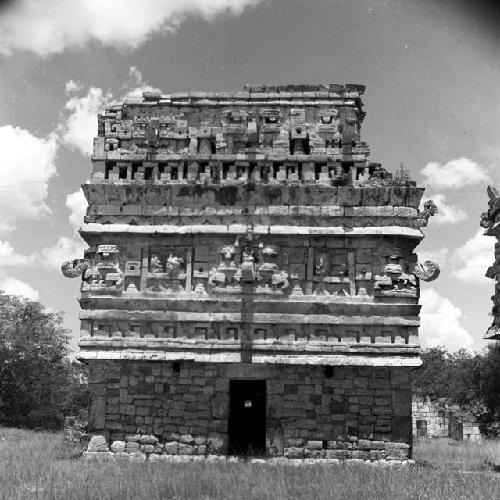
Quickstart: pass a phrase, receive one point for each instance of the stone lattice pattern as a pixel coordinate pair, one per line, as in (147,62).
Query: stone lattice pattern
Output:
(247,235)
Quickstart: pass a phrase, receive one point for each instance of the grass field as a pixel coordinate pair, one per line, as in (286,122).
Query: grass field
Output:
(36,465)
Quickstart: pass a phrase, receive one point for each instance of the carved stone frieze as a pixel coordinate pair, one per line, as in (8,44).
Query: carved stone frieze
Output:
(394,280)
(166,275)
(104,275)
(270,277)
(225,274)
(248,264)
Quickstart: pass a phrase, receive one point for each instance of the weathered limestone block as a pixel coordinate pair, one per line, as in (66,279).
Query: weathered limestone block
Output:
(186,449)
(294,452)
(149,440)
(171,448)
(132,447)
(118,446)
(98,443)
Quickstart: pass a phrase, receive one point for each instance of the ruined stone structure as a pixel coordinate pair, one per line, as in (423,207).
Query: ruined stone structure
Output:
(437,419)
(490,221)
(250,285)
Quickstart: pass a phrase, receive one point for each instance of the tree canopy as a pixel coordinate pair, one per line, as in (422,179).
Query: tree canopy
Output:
(471,380)
(39,385)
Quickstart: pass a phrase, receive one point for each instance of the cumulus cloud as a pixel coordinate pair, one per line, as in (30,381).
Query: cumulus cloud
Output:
(440,323)
(73,86)
(64,249)
(77,204)
(439,255)
(447,213)
(25,170)
(473,258)
(13,286)
(53,26)
(80,124)
(9,257)
(136,85)
(455,174)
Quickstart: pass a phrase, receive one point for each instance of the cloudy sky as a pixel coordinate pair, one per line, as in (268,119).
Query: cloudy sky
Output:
(433,102)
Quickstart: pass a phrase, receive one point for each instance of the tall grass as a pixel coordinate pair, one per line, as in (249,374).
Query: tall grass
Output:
(36,466)
(449,454)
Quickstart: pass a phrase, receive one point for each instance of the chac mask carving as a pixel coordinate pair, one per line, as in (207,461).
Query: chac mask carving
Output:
(248,265)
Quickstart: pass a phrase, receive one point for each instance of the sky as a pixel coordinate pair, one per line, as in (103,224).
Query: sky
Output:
(432,100)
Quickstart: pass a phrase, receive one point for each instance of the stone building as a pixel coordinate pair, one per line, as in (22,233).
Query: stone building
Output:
(250,285)
(490,221)
(437,419)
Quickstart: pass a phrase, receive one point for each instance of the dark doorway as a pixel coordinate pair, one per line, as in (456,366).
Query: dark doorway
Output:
(247,417)
(421,428)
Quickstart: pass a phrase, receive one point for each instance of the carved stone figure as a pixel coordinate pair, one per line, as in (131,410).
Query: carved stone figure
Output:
(102,273)
(224,274)
(395,280)
(430,209)
(168,281)
(270,275)
(74,268)
(173,266)
(108,266)
(485,221)
(270,126)
(299,138)
(247,273)
(488,218)
(428,271)
(91,276)
(320,266)
(156,265)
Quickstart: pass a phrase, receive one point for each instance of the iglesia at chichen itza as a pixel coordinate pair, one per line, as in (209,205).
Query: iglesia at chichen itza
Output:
(250,285)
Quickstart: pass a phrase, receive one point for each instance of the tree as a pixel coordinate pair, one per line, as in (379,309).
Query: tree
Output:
(37,380)
(469,380)
(490,386)
(432,378)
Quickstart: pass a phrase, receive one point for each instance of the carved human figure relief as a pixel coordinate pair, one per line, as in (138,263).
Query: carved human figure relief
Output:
(165,277)
(224,274)
(394,279)
(269,274)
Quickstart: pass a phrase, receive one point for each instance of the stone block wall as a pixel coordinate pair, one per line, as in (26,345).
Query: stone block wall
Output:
(182,408)
(436,419)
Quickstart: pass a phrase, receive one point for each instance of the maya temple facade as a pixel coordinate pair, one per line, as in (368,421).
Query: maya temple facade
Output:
(250,285)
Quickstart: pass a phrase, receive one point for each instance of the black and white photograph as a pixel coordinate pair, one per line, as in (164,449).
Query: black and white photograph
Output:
(249,249)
